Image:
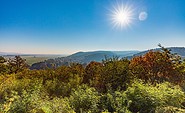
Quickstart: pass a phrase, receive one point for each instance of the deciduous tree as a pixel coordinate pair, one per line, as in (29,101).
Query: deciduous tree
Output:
(156,66)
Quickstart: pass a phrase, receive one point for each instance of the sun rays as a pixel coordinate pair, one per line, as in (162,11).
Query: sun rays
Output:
(122,15)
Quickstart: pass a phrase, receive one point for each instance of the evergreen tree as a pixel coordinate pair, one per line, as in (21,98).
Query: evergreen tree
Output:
(17,64)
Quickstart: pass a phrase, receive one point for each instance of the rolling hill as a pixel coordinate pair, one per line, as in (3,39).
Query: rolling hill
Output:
(86,57)
(81,57)
(178,50)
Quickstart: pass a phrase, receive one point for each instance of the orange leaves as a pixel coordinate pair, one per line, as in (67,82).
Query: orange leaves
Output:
(154,66)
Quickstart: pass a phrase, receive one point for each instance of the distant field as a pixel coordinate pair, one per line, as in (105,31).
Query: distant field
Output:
(34,59)
(31,59)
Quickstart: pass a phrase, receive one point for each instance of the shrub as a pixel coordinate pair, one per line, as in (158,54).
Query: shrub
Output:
(34,100)
(114,102)
(55,105)
(146,98)
(84,99)
(169,109)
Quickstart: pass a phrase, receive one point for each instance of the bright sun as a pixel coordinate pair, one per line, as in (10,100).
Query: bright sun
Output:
(122,16)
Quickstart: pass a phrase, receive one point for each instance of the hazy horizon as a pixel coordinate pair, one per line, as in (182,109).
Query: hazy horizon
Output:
(64,53)
(69,26)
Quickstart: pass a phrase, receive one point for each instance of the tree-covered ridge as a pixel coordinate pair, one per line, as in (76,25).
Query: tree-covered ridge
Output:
(80,57)
(178,50)
(151,83)
(87,57)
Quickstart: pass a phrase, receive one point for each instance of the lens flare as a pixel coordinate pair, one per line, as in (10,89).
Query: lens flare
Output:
(122,15)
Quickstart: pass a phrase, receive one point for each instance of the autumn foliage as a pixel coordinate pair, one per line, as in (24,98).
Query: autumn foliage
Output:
(152,82)
(155,67)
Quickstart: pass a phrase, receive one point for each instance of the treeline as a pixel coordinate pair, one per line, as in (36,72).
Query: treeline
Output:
(151,83)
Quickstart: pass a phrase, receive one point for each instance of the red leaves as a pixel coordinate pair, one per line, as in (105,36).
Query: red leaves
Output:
(154,66)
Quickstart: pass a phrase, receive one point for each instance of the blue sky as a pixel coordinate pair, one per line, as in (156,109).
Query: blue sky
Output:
(68,26)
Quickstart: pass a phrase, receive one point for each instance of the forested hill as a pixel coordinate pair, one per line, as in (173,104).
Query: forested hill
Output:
(81,57)
(178,50)
(86,57)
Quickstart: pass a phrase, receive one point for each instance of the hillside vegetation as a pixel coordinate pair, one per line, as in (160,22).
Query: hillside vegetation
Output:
(175,50)
(152,83)
(81,57)
(86,57)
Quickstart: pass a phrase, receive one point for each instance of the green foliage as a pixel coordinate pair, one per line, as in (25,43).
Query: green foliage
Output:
(61,105)
(116,73)
(92,74)
(17,64)
(114,102)
(108,86)
(22,101)
(3,67)
(84,99)
(26,95)
(146,98)
(34,102)
(55,105)
(58,88)
(2,60)
(169,109)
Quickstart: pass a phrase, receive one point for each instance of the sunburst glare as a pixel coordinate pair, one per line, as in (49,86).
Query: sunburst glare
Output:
(122,15)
